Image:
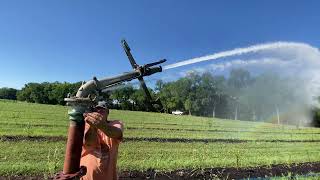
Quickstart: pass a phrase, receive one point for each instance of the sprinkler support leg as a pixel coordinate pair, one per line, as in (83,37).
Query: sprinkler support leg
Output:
(74,148)
(71,168)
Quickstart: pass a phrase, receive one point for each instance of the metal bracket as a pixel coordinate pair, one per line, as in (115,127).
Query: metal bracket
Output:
(74,176)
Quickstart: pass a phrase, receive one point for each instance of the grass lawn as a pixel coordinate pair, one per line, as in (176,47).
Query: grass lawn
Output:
(263,143)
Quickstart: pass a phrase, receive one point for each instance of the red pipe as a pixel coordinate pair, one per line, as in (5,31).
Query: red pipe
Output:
(74,148)
(71,167)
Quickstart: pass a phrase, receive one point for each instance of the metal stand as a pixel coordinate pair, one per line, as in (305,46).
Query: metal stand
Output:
(74,176)
(71,168)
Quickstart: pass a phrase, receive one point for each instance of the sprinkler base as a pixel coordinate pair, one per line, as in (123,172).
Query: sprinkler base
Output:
(74,176)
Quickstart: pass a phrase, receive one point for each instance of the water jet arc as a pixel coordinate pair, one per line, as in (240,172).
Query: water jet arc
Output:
(237,51)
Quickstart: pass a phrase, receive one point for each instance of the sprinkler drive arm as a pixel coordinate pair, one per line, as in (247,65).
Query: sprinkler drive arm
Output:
(89,92)
(95,86)
(86,99)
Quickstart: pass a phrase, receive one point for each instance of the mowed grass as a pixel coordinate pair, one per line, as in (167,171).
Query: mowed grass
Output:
(263,143)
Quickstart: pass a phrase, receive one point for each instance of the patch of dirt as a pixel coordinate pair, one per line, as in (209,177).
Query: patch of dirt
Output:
(210,173)
(227,173)
(210,140)
(22,177)
(182,140)
(32,125)
(148,139)
(33,138)
(216,130)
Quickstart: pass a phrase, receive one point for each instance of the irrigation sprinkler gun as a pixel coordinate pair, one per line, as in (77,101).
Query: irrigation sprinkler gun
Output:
(87,98)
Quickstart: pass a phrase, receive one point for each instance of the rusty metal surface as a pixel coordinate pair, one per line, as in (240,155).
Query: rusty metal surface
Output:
(74,148)
(75,176)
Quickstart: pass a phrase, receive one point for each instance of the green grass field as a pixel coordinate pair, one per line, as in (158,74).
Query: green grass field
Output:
(154,141)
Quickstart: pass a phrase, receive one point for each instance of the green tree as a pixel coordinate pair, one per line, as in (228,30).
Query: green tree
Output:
(138,99)
(238,80)
(47,93)
(122,97)
(8,93)
(169,97)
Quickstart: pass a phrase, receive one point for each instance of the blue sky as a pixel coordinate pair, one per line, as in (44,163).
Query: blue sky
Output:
(74,40)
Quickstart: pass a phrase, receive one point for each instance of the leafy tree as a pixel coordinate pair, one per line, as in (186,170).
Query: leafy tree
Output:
(238,80)
(8,93)
(168,97)
(159,85)
(188,105)
(138,99)
(32,92)
(47,93)
(122,97)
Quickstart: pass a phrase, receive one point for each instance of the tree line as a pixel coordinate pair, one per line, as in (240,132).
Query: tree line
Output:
(43,93)
(238,95)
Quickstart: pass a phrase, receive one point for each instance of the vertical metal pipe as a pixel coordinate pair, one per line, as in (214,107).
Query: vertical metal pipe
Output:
(74,148)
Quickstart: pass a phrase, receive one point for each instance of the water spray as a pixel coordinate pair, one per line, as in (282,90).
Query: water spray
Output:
(237,51)
(297,63)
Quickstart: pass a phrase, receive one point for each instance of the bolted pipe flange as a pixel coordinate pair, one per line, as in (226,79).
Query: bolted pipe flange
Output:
(78,106)
(74,176)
